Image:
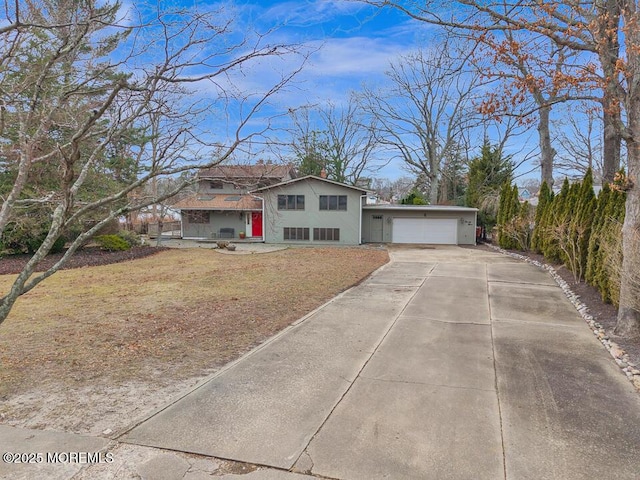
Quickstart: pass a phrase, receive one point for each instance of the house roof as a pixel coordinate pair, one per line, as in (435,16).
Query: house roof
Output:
(424,208)
(219,201)
(257,171)
(311,177)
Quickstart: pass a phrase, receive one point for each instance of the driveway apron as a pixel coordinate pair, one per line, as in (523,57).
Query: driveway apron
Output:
(447,363)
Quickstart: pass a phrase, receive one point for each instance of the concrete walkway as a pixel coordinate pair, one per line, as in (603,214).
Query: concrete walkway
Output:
(448,363)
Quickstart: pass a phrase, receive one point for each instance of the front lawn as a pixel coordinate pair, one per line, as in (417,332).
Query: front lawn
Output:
(94,347)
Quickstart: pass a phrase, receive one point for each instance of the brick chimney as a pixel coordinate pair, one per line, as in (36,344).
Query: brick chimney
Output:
(323,173)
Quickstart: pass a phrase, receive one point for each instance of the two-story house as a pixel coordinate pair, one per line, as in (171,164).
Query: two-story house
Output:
(312,210)
(223,206)
(268,203)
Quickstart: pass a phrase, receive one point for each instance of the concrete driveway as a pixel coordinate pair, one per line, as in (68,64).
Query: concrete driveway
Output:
(447,363)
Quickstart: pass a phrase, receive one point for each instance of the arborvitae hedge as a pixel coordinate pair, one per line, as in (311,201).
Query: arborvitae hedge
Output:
(508,208)
(608,219)
(594,259)
(514,220)
(545,198)
(582,218)
(576,215)
(555,217)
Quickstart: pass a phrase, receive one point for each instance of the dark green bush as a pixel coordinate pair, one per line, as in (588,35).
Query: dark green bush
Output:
(27,237)
(131,237)
(112,243)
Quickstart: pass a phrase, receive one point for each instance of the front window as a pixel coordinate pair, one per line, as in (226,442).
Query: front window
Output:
(333,202)
(290,202)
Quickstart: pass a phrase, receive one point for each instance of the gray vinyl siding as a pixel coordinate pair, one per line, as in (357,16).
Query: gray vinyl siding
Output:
(217,220)
(348,221)
(466,221)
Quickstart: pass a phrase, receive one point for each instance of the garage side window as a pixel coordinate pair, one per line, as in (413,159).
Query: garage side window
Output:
(290,202)
(333,202)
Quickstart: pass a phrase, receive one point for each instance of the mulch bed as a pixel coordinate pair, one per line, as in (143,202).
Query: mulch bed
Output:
(85,257)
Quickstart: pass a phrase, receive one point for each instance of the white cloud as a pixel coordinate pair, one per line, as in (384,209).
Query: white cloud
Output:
(337,67)
(296,13)
(354,56)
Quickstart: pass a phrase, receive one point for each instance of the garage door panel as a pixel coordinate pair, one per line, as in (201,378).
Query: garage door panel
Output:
(425,230)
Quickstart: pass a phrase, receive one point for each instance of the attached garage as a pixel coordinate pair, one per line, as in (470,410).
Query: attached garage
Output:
(419,224)
(442,231)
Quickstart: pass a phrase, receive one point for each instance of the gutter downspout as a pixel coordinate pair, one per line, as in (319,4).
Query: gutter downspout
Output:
(475,226)
(360,225)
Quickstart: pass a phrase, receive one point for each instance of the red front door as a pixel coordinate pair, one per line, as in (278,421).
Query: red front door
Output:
(256,224)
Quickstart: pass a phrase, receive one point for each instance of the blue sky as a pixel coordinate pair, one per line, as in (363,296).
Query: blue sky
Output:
(352,44)
(355,42)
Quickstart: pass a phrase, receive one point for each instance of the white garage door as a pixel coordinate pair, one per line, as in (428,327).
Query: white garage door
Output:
(425,230)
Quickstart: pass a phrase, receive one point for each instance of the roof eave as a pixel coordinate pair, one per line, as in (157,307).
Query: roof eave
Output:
(310,177)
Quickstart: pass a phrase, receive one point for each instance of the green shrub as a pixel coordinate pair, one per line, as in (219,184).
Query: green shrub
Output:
(26,237)
(112,243)
(131,237)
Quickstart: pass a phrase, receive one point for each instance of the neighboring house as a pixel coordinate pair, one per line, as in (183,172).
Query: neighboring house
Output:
(525,195)
(312,210)
(222,206)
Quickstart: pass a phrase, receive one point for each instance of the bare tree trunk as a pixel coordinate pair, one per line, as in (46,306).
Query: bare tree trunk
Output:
(611,143)
(609,52)
(443,194)
(18,185)
(628,324)
(160,228)
(434,185)
(547,152)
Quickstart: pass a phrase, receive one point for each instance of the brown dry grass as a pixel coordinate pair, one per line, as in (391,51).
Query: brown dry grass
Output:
(165,318)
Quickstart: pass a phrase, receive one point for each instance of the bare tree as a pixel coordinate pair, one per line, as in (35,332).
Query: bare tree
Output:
(351,142)
(529,84)
(337,139)
(82,91)
(584,28)
(608,31)
(580,142)
(392,190)
(426,111)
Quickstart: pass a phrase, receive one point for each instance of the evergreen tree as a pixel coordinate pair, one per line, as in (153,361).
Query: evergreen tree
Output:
(583,221)
(487,174)
(505,194)
(414,198)
(593,254)
(509,209)
(311,155)
(545,197)
(554,218)
(611,266)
